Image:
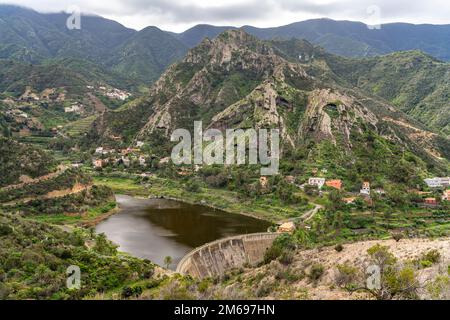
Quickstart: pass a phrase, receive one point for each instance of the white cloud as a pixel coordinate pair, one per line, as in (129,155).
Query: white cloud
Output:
(177,15)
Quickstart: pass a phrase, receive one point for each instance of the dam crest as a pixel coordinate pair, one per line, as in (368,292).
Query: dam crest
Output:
(218,257)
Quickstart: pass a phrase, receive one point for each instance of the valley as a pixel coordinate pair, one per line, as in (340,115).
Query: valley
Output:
(88,178)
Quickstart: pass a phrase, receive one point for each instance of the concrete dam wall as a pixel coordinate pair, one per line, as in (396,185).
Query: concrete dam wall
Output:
(218,257)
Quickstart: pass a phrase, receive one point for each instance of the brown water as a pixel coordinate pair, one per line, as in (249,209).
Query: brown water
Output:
(156,228)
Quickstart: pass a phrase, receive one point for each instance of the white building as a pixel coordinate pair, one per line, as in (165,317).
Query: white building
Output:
(142,161)
(99,150)
(72,109)
(446,195)
(126,162)
(365,190)
(319,182)
(438,182)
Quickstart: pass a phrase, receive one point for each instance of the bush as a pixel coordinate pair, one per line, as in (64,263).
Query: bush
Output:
(128,292)
(5,230)
(193,186)
(397,236)
(339,248)
(316,272)
(287,257)
(346,275)
(433,256)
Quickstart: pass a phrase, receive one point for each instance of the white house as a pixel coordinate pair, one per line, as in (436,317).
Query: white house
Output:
(446,195)
(126,162)
(72,109)
(142,161)
(365,190)
(438,182)
(319,182)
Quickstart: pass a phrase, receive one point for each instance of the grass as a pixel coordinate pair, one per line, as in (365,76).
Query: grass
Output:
(91,216)
(229,201)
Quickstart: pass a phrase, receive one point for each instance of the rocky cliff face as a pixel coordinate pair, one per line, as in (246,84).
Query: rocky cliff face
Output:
(237,81)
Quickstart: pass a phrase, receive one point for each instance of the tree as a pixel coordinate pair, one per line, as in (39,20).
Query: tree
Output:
(167,261)
(394,281)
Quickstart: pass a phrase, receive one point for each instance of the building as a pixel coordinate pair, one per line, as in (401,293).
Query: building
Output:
(97,163)
(438,182)
(142,161)
(99,150)
(319,182)
(287,227)
(165,160)
(430,201)
(126,162)
(446,195)
(290,179)
(365,190)
(349,200)
(380,191)
(73,109)
(337,184)
(264,182)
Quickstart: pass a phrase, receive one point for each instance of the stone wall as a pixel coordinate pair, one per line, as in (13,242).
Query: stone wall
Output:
(217,257)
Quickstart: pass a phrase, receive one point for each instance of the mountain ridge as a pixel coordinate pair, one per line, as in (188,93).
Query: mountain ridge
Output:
(207,85)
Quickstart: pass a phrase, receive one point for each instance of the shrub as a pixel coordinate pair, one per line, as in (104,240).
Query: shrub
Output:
(287,257)
(316,272)
(193,186)
(397,236)
(5,230)
(346,275)
(433,256)
(339,248)
(134,291)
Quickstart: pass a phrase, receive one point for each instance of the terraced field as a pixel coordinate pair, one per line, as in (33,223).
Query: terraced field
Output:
(79,127)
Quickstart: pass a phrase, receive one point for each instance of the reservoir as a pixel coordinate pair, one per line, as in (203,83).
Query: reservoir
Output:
(155,228)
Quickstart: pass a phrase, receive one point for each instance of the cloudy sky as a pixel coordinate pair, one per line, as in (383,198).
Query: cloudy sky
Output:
(178,15)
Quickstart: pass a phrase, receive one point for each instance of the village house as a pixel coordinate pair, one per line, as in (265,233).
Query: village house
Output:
(142,161)
(349,200)
(184,172)
(319,182)
(98,163)
(287,227)
(446,195)
(264,182)
(164,160)
(365,190)
(103,151)
(73,109)
(126,162)
(337,184)
(430,201)
(380,191)
(438,182)
(290,179)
